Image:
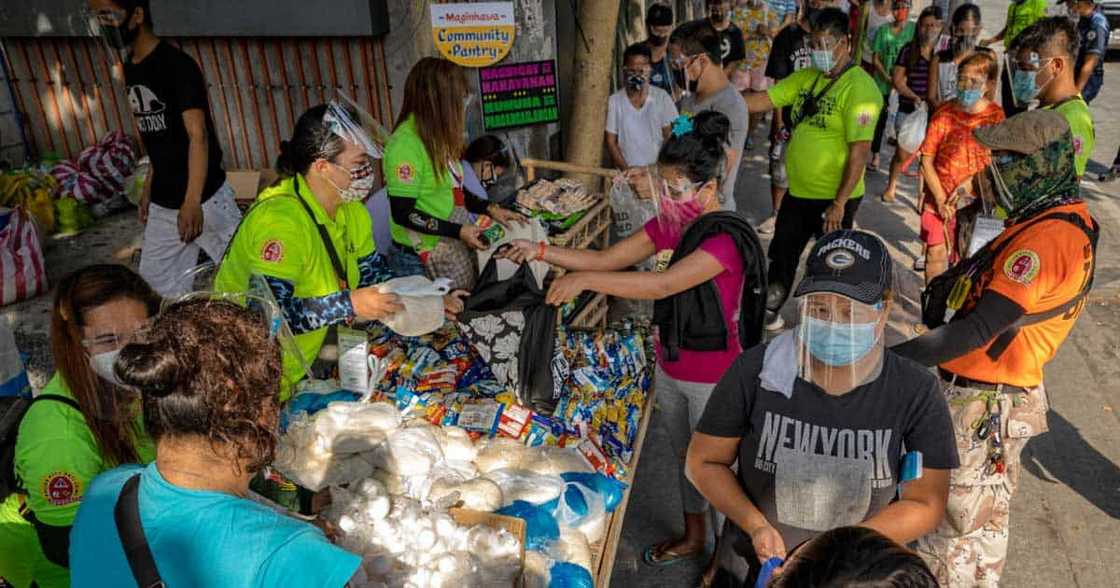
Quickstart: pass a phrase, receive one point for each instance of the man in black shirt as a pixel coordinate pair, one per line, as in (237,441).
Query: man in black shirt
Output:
(659,24)
(733,47)
(820,418)
(186,204)
(789,53)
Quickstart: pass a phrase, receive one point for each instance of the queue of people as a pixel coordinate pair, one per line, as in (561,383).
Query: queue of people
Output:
(141,448)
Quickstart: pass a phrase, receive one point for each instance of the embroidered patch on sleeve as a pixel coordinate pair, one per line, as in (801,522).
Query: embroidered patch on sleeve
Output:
(273,251)
(1022,266)
(61,488)
(864,119)
(404,173)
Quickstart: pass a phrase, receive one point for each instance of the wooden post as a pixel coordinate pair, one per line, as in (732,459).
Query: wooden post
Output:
(591,89)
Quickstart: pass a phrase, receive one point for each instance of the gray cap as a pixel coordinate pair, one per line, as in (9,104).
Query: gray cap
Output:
(1024,133)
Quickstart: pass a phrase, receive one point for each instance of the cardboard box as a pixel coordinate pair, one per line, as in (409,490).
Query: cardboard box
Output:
(514,525)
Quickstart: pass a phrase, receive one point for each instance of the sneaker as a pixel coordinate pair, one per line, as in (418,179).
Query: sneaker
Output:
(920,264)
(750,143)
(774,321)
(1110,175)
(767,226)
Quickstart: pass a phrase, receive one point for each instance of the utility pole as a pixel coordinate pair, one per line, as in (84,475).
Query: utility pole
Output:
(595,38)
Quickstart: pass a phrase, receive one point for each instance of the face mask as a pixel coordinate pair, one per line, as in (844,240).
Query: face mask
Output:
(901,15)
(635,82)
(837,345)
(1024,85)
(964,43)
(120,36)
(681,212)
(969,98)
(928,37)
(822,59)
(488,181)
(102,365)
(718,16)
(361,183)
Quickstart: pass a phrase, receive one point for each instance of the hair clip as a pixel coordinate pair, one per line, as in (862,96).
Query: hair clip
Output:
(682,125)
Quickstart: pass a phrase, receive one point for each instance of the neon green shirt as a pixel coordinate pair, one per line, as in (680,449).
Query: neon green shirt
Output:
(1081,125)
(887,45)
(409,173)
(818,148)
(56,457)
(278,239)
(1020,16)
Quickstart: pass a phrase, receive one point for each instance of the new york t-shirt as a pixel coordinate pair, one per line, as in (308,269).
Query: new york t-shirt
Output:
(161,87)
(812,461)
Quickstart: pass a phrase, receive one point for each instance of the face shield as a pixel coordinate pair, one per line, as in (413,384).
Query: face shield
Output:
(110,26)
(345,119)
(257,298)
(678,201)
(840,340)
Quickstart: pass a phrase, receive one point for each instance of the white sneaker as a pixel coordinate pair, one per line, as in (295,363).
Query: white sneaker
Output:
(774,322)
(767,226)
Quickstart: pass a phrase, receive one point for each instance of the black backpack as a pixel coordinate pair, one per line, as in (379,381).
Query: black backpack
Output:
(935,298)
(9,431)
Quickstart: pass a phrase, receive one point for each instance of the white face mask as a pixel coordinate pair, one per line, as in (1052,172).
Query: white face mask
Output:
(102,365)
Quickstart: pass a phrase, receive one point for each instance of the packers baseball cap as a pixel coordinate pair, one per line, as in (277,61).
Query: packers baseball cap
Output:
(851,263)
(1024,133)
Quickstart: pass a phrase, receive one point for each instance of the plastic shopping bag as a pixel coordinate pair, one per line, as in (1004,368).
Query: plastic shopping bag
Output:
(913,129)
(23,274)
(13,375)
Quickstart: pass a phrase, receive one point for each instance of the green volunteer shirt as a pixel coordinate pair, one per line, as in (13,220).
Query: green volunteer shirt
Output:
(278,239)
(887,45)
(409,173)
(1020,16)
(818,148)
(1080,121)
(56,458)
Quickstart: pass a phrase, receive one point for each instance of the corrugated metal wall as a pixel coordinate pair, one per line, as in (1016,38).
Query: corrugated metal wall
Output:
(258,87)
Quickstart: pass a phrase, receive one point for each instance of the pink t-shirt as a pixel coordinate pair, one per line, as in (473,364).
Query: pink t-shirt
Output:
(707,366)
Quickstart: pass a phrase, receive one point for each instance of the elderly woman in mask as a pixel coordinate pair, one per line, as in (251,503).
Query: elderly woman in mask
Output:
(818,420)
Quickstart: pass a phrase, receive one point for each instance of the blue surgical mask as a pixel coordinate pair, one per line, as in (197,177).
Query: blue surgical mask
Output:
(837,344)
(969,98)
(822,60)
(1024,85)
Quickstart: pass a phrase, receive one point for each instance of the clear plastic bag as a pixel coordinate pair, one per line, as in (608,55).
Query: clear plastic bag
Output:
(913,130)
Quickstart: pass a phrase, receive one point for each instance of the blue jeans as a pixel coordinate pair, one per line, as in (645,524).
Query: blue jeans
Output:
(1092,87)
(405,262)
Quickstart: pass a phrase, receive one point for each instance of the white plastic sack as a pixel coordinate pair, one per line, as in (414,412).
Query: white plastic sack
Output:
(628,212)
(590,517)
(555,461)
(13,376)
(525,485)
(500,453)
(913,130)
(477,494)
(423,304)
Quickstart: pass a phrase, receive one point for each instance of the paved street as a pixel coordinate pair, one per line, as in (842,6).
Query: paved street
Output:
(1065,528)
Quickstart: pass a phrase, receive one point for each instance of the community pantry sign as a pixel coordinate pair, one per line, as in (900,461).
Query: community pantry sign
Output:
(473,35)
(518,94)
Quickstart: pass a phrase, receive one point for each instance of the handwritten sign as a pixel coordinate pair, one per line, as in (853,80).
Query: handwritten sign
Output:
(519,94)
(473,35)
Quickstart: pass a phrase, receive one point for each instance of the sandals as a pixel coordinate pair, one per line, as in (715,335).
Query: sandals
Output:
(659,555)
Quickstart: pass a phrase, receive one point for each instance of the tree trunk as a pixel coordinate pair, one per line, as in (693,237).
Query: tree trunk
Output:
(591,89)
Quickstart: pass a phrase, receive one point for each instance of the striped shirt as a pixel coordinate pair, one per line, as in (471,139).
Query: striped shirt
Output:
(917,77)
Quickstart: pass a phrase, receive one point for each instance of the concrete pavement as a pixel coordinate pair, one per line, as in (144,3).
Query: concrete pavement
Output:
(1065,528)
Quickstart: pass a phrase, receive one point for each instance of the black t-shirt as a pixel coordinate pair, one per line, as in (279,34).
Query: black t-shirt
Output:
(813,462)
(160,89)
(661,75)
(732,46)
(789,54)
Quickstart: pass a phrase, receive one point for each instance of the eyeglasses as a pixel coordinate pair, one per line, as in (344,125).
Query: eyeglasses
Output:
(824,44)
(967,83)
(107,341)
(683,61)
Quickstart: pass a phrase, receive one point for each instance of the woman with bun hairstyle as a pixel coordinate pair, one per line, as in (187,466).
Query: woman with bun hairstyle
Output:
(311,239)
(206,371)
(81,424)
(716,262)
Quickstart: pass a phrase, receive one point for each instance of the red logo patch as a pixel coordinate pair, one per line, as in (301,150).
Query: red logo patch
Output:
(273,251)
(1077,145)
(864,119)
(404,173)
(60,488)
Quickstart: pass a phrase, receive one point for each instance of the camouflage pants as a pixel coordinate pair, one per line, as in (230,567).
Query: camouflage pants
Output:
(969,547)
